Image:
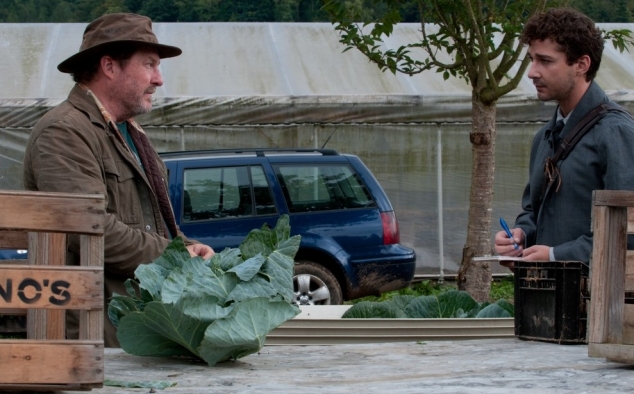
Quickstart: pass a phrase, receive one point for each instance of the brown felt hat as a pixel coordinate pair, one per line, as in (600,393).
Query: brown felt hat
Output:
(115,29)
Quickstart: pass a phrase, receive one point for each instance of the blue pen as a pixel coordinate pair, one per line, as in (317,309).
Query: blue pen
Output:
(508,232)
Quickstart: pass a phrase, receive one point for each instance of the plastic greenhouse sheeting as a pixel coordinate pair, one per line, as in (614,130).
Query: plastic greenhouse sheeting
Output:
(290,85)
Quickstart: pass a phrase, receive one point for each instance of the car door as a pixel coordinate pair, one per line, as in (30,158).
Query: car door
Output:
(217,201)
(328,200)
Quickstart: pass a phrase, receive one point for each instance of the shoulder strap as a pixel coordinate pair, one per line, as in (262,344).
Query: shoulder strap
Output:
(583,127)
(550,166)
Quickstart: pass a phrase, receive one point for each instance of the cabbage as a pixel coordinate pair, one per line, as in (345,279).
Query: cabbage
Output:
(216,309)
(448,304)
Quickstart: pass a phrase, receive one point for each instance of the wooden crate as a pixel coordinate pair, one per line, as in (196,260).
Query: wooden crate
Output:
(46,288)
(611,323)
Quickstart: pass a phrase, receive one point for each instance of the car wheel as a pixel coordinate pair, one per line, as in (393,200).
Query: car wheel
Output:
(313,284)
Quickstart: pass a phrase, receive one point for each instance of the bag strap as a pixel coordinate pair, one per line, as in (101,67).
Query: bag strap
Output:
(581,128)
(571,139)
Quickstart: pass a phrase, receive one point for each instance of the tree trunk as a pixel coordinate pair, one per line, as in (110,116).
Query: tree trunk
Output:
(472,277)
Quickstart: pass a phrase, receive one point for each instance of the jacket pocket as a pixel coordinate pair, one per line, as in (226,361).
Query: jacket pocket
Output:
(123,196)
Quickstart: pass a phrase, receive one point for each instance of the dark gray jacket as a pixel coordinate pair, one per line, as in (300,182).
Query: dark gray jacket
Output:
(602,159)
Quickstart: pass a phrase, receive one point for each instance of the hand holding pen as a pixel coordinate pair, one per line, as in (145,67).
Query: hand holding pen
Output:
(508,232)
(502,244)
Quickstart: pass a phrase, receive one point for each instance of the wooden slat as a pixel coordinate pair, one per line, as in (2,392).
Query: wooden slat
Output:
(14,239)
(629,271)
(608,270)
(629,262)
(70,286)
(46,249)
(52,212)
(51,362)
(13,312)
(628,325)
(29,388)
(597,328)
(91,255)
(14,262)
(613,198)
(47,288)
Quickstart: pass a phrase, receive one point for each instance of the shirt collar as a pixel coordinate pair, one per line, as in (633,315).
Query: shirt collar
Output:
(560,116)
(107,116)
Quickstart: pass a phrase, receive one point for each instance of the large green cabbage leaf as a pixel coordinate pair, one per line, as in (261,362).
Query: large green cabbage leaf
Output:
(216,309)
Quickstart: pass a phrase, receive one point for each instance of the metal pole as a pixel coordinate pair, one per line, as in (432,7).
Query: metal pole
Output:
(441,251)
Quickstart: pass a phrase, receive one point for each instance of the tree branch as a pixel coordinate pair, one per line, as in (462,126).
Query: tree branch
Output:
(483,60)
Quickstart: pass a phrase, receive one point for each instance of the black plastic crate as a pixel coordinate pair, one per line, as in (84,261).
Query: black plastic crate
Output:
(551,301)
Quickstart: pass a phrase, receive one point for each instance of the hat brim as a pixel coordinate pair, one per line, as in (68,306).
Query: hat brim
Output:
(73,63)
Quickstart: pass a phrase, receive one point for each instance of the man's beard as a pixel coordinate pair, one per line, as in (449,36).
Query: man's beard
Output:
(134,106)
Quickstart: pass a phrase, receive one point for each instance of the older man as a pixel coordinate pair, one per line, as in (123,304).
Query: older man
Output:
(91,144)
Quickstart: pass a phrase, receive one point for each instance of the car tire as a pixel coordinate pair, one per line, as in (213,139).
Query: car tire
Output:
(313,284)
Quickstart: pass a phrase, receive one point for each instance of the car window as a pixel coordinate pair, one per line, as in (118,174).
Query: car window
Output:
(221,192)
(322,187)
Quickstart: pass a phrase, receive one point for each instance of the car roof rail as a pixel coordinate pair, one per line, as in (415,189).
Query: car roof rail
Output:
(257,151)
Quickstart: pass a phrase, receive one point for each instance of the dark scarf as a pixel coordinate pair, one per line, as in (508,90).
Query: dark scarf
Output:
(153,173)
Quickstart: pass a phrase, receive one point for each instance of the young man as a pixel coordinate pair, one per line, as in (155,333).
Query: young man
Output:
(555,223)
(91,144)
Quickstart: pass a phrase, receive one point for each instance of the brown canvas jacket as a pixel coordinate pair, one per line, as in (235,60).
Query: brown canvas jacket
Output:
(72,149)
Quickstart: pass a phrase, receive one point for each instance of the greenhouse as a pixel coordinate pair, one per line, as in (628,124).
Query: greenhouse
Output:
(240,85)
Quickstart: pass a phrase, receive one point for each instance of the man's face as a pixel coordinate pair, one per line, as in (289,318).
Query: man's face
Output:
(553,78)
(136,82)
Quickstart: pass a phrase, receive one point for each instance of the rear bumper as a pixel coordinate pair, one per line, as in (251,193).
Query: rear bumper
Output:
(394,271)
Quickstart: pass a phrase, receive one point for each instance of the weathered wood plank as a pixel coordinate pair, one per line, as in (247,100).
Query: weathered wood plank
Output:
(91,323)
(629,271)
(628,325)
(608,271)
(53,212)
(14,239)
(49,287)
(46,287)
(51,362)
(14,262)
(613,198)
(12,311)
(46,249)
(598,319)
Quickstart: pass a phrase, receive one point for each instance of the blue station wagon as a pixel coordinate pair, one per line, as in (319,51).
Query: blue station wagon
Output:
(349,232)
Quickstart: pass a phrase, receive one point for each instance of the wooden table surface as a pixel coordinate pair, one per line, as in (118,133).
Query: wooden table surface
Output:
(473,366)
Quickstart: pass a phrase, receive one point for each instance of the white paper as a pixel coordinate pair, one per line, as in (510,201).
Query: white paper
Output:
(498,258)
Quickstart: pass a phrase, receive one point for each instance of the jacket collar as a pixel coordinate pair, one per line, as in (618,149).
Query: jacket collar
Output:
(590,99)
(81,99)
(86,101)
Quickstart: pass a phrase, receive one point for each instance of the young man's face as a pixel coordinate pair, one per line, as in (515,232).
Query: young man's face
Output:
(138,79)
(553,78)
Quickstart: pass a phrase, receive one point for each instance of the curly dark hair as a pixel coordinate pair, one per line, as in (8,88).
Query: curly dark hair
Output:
(573,31)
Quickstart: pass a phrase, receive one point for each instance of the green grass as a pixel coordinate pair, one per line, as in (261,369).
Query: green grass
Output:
(500,288)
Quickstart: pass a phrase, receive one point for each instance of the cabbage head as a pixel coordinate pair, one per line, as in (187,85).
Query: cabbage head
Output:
(216,309)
